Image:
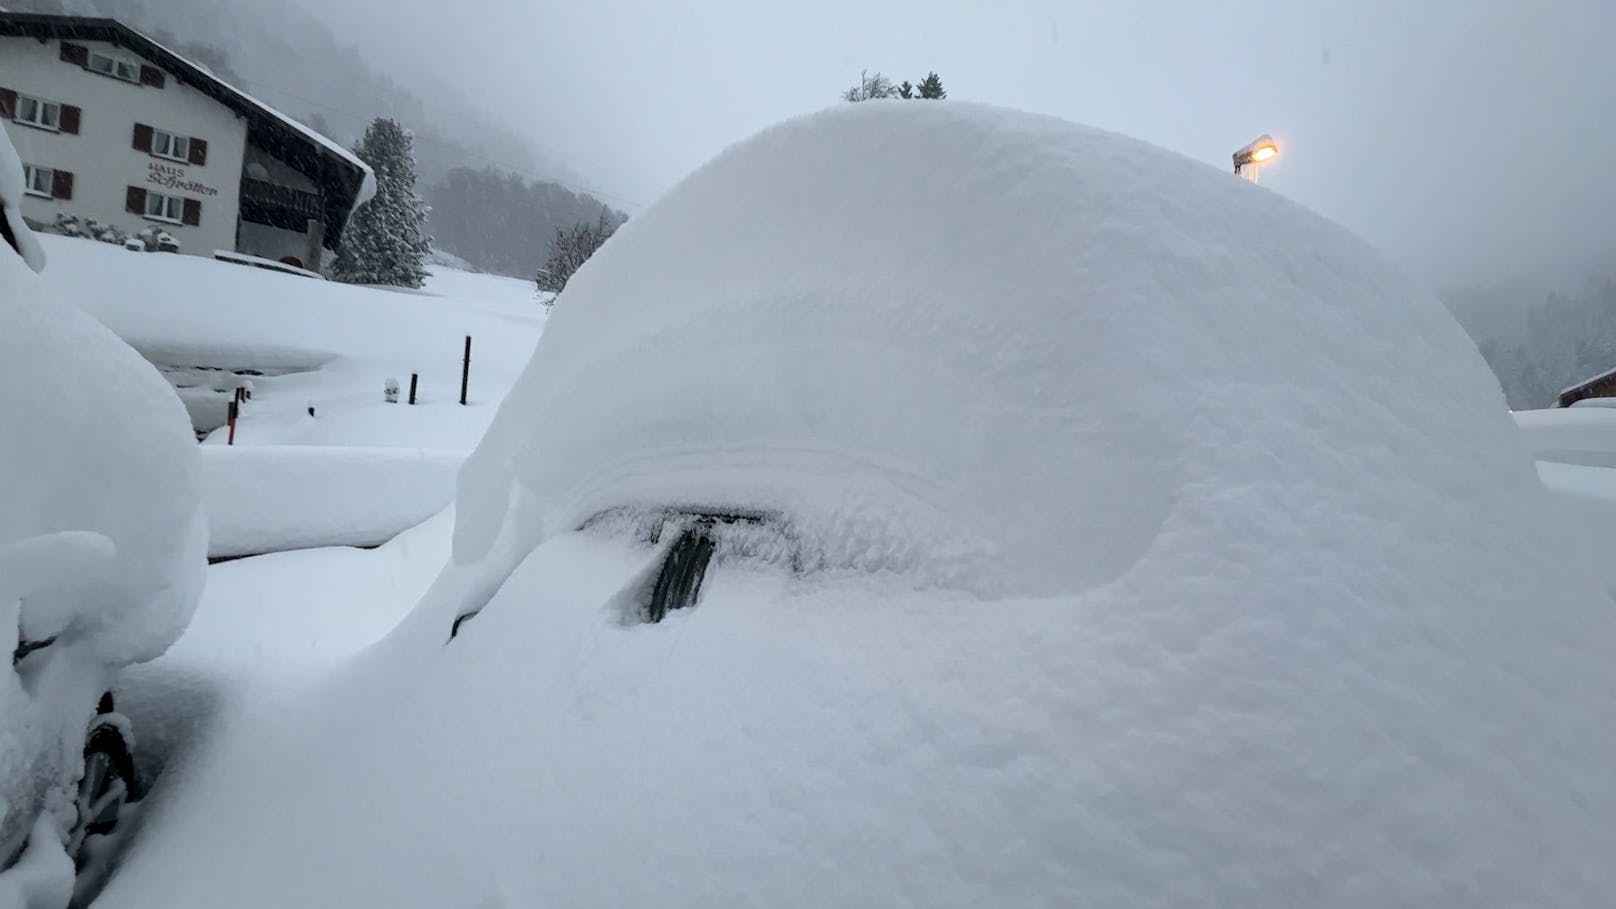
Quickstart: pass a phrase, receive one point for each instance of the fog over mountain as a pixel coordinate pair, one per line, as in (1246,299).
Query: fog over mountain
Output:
(1468,139)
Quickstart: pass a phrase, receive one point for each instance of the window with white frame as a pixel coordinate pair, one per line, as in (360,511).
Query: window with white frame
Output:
(38,181)
(168,145)
(43,114)
(108,65)
(164,208)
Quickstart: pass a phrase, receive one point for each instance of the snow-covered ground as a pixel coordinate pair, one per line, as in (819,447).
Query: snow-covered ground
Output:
(336,344)
(1575,450)
(1119,565)
(359,470)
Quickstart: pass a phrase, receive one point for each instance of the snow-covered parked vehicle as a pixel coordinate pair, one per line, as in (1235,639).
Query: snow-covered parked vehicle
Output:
(102,555)
(935,505)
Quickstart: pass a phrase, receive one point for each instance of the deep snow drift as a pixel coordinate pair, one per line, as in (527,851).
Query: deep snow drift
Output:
(270,498)
(1140,569)
(102,544)
(94,440)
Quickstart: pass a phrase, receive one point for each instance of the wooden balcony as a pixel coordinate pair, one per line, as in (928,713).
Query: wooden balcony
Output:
(279,206)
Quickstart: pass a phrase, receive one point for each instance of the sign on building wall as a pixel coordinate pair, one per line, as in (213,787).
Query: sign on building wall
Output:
(172,176)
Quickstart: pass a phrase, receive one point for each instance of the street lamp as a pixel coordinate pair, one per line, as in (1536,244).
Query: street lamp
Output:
(1248,159)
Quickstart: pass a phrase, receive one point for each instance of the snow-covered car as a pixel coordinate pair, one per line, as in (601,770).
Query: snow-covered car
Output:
(102,554)
(927,504)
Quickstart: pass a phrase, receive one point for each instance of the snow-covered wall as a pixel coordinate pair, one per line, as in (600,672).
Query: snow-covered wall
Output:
(102,156)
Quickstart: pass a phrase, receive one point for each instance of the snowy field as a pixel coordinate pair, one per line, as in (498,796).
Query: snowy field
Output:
(335,343)
(1575,449)
(1149,584)
(360,470)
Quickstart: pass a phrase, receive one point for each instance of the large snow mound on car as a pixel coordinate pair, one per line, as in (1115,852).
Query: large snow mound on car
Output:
(987,350)
(1340,660)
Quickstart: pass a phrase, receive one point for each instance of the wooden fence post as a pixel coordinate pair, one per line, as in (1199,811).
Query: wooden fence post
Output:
(465,370)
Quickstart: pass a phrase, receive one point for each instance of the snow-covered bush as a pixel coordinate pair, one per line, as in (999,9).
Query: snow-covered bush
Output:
(106,233)
(156,239)
(67,225)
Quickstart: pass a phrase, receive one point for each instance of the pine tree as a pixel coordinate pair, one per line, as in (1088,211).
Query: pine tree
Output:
(931,87)
(384,241)
(905,90)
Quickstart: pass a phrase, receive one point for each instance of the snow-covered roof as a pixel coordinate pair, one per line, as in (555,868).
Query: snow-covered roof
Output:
(1585,383)
(348,180)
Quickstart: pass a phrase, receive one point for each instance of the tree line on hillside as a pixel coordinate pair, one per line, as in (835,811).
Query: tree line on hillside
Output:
(1564,338)
(505,224)
(874,86)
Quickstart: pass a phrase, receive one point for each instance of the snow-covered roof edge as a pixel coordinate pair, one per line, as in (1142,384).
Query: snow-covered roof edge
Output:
(188,71)
(1591,380)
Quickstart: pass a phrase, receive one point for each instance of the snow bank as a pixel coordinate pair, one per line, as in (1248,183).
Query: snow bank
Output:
(102,540)
(1146,575)
(273,498)
(1572,435)
(1585,498)
(95,441)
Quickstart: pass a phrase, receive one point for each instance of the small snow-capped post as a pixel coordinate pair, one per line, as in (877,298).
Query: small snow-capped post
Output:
(246,389)
(311,408)
(414,377)
(465,370)
(390,391)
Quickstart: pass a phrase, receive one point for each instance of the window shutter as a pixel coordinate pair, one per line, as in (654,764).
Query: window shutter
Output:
(62,185)
(69,122)
(135,201)
(151,75)
(199,152)
(193,212)
(143,138)
(8,104)
(76,54)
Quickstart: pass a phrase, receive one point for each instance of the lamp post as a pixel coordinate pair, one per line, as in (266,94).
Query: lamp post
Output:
(1247,160)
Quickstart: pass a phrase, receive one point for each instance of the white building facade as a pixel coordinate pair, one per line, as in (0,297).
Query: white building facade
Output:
(113,127)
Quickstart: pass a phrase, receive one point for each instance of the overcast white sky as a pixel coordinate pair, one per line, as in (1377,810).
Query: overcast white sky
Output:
(1468,138)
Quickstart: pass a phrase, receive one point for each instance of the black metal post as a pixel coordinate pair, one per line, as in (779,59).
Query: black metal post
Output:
(413,378)
(465,370)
